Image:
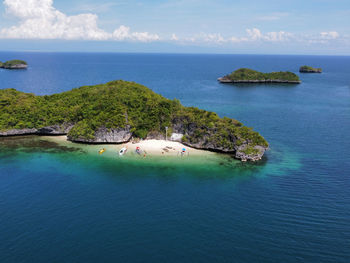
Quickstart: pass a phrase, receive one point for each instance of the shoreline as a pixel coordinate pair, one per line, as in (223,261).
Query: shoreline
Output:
(88,154)
(268,81)
(147,147)
(151,147)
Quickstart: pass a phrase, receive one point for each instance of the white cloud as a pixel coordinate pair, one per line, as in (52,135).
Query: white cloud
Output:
(325,38)
(143,37)
(174,37)
(279,36)
(329,35)
(123,33)
(38,19)
(213,38)
(255,34)
(234,39)
(201,38)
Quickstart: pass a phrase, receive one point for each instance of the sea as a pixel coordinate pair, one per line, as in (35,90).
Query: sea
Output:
(62,202)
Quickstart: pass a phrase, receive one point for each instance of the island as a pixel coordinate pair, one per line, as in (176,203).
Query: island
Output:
(308,69)
(14,64)
(120,111)
(246,75)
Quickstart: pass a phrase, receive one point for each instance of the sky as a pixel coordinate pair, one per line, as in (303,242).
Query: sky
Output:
(312,27)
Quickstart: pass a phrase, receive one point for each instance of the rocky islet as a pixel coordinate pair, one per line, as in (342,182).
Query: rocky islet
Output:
(119,111)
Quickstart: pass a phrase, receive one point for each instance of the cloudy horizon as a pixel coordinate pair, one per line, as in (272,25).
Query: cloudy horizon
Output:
(177,26)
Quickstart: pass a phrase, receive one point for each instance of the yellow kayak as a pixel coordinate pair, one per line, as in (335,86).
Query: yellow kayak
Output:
(102,151)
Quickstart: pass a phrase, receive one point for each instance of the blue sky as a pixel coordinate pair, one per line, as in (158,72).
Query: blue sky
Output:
(204,26)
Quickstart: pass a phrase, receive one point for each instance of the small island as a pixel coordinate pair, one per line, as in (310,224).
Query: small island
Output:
(121,111)
(245,75)
(14,64)
(308,69)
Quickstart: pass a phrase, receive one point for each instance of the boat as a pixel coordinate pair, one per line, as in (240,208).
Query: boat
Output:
(122,151)
(102,151)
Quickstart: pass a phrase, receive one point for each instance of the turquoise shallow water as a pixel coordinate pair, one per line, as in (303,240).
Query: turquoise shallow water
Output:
(65,203)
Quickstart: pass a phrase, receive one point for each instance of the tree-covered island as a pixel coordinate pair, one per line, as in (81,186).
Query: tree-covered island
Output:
(245,75)
(308,69)
(14,64)
(118,111)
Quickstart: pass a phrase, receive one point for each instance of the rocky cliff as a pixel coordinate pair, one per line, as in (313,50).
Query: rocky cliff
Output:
(104,135)
(235,143)
(62,129)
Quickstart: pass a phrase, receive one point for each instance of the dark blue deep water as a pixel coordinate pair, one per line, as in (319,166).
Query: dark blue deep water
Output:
(61,204)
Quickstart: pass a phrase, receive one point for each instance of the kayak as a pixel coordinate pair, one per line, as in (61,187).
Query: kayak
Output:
(102,151)
(122,151)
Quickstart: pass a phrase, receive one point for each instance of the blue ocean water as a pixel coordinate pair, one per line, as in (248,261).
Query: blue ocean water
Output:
(61,204)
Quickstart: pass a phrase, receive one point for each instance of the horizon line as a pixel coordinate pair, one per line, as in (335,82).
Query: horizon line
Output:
(173,53)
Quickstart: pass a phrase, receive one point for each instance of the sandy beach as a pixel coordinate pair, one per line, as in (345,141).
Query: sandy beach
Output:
(162,147)
(148,147)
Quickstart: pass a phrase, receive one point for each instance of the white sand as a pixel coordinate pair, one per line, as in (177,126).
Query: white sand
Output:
(151,147)
(57,138)
(162,147)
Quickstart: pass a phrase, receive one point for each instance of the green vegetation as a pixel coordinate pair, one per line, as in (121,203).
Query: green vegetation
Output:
(120,104)
(12,63)
(251,151)
(245,74)
(310,69)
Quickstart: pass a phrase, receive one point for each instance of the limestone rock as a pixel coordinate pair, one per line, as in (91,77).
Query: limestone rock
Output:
(104,135)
